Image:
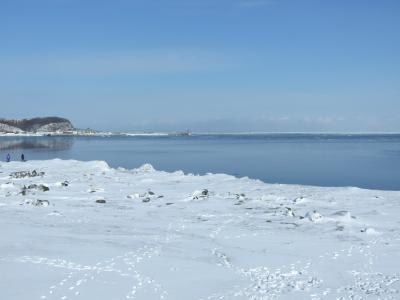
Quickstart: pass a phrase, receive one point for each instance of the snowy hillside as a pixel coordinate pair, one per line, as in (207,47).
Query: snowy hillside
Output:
(81,230)
(48,124)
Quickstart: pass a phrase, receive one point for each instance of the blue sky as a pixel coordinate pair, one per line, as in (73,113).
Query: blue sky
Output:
(210,65)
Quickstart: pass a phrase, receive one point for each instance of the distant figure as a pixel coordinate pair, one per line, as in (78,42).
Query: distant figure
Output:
(8,157)
(22,157)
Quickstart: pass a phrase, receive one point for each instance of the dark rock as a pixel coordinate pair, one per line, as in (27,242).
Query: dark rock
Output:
(289,212)
(36,202)
(40,187)
(44,188)
(200,194)
(147,199)
(100,201)
(42,203)
(24,174)
(240,196)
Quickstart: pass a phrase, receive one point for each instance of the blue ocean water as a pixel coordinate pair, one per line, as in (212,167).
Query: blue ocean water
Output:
(367,161)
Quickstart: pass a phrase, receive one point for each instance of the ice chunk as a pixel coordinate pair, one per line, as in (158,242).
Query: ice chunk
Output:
(314,216)
(146,168)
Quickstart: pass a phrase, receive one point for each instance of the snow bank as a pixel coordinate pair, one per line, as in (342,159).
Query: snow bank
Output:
(72,229)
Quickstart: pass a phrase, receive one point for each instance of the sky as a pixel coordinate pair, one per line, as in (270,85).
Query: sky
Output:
(204,65)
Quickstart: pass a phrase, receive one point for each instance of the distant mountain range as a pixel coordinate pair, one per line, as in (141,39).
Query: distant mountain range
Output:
(36,125)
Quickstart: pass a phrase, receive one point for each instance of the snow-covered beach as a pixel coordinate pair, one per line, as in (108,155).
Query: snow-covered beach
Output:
(82,230)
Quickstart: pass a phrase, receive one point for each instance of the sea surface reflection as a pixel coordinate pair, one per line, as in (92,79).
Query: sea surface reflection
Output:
(368,161)
(31,143)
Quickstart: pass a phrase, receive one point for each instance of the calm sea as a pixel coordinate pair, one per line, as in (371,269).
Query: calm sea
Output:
(368,161)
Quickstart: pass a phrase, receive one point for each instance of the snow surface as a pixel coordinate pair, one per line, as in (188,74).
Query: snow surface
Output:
(83,230)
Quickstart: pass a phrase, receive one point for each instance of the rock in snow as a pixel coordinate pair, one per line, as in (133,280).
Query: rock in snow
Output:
(243,240)
(23,174)
(200,194)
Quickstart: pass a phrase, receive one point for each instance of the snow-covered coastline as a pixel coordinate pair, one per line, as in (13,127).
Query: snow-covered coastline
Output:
(56,133)
(184,133)
(92,133)
(82,230)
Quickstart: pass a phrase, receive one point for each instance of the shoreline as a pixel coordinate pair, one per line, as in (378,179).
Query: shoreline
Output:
(245,177)
(178,134)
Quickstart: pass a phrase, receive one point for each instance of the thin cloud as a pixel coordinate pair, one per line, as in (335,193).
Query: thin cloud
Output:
(146,61)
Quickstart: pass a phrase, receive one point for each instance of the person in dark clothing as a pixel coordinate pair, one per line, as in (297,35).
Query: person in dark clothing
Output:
(8,157)
(22,157)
